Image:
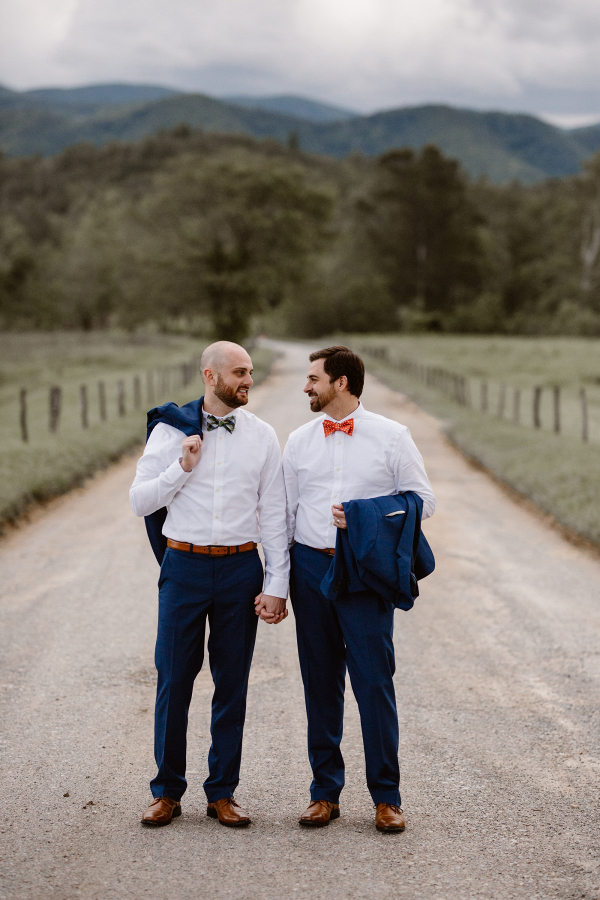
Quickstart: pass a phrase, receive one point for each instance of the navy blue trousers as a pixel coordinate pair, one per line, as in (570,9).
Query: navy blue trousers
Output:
(192,589)
(355,631)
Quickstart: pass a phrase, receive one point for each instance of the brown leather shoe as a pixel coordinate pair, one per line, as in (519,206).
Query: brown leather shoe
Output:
(319,813)
(228,812)
(161,811)
(389,817)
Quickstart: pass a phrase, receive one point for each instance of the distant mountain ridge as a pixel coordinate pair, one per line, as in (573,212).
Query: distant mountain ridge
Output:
(499,146)
(111,94)
(300,107)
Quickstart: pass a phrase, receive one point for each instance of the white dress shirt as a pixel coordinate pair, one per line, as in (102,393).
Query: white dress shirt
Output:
(378,459)
(233,495)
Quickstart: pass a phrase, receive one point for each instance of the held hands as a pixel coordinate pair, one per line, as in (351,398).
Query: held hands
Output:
(339,517)
(191,448)
(270,609)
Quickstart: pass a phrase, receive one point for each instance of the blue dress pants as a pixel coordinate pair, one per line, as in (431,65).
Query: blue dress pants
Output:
(355,631)
(192,589)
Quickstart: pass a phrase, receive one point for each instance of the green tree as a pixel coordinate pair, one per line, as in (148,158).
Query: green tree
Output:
(423,230)
(233,236)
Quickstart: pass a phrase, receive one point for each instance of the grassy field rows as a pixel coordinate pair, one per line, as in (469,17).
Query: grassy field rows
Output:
(559,472)
(51,463)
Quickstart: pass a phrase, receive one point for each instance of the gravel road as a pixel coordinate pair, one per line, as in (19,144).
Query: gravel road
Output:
(498,688)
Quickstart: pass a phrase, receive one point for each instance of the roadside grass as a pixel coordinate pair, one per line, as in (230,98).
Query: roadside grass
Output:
(520,361)
(50,464)
(558,472)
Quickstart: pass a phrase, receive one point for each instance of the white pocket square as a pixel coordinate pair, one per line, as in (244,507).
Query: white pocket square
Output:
(398,512)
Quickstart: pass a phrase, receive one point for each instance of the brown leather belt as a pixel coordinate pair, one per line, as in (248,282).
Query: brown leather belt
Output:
(329,550)
(210,551)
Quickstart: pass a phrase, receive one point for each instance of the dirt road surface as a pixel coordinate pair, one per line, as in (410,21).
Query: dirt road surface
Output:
(498,685)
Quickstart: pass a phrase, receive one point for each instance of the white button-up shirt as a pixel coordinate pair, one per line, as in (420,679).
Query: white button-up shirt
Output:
(233,495)
(378,459)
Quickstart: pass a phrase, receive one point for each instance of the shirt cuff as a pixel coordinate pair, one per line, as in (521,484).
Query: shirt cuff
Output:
(176,475)
(276,587)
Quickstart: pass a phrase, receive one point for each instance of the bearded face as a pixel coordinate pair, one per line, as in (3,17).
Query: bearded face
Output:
(320,396)
(232,396)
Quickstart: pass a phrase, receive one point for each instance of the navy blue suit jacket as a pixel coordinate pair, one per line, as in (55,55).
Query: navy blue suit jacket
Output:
(383,549)
(187,418)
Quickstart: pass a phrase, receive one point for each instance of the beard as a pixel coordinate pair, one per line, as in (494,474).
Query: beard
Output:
(320,401)
(228,395)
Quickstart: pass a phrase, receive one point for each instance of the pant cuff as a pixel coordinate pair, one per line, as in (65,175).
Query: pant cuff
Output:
(163,792)
(322,794)
(218,794)
(388,796)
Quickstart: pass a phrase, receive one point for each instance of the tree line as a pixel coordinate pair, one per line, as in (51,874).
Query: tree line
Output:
(226,234)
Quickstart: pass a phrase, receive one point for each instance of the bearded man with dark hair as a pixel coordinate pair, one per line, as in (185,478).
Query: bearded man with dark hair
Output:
(346,454)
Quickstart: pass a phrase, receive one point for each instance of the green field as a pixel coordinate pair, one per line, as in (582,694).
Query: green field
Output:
(150,371)
(558,471)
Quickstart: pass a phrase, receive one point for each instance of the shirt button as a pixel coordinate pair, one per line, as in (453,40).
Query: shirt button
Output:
(334,496)
(218,463)
(218,489)
(339,442)
(216,517)
(337,469)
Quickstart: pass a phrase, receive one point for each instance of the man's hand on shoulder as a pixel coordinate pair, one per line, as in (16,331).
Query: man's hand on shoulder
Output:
(191,448)
(271,610)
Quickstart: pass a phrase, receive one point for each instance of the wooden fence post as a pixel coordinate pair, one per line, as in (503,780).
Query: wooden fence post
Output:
(556,404)
(102,400)
(55,405)
(501,401)
(137,391)
(517,406)
(584,415)
(121,397)
(466,391)
(150,387)
(84,405)
(484,396)
(456,386)
(537,402)
(23,415)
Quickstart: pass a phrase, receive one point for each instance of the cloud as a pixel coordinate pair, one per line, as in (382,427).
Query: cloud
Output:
(542,55)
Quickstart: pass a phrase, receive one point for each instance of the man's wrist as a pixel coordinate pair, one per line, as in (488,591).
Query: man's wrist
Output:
(183,467)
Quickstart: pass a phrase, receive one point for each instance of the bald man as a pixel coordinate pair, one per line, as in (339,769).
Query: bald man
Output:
(223,495)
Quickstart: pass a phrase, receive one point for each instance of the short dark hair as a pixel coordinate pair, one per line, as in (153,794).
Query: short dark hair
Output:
(340,361)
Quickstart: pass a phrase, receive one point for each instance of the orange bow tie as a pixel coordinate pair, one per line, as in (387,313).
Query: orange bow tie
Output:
(329,427)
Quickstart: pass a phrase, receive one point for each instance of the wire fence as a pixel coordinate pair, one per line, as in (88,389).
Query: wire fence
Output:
(29,414)
(571,412)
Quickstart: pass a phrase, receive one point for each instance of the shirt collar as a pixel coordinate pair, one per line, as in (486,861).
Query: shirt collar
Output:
(356,415)
(205,415)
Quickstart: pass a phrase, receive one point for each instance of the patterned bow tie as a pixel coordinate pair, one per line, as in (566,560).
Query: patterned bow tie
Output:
(329,427)
(212,422)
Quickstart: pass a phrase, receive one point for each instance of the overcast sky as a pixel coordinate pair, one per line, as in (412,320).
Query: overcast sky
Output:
(541,56)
